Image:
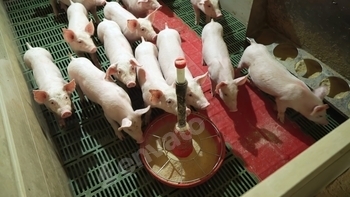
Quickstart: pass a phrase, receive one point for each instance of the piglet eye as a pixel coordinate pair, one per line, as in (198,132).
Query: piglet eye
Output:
(52,103)
(209,6)
(142,29)
(225,94)
(119,72)
(190,94)
(66,97)
(169,101)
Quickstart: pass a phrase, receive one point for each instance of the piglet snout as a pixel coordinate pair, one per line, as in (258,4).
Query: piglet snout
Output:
(233,110)
(140,140)
(218,15)
(204,106)
(66,114)
(93,50)
(131,84)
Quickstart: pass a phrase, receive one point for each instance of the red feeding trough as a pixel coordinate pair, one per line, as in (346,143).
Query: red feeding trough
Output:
(182,151)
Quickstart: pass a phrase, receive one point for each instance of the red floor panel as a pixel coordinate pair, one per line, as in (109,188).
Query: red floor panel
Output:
(255,135)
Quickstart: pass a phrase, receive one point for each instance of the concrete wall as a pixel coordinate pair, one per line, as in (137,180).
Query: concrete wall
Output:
(29,164)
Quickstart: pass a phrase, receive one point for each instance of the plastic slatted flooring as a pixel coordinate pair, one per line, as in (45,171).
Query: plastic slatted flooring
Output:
(90,152)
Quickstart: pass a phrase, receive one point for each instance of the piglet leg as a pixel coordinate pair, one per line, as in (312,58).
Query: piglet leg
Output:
(207,19)
(61,121)
(147,118)
(281,109)
(80,94)
(94,59)
(196,15)
(94,14)
(213,86)
(115,127)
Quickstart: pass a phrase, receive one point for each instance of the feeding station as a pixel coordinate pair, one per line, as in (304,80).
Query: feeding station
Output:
(182,151)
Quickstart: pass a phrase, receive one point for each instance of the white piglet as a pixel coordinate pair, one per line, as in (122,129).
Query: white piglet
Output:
(115,102)
(90,5)
(133,28)
(210,8)
(155,91)
(79,32)
(169,46)
(273,78)
(221,72)
(140,8)
(119,52)
(54,92)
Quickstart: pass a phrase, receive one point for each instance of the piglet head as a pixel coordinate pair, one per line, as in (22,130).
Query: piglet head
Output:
(124,71)
(194,94)
(228,91)
(132,124)
(210,8)
(149,4)
(143,27)
(319,112)
(165,100)
(81,41)
(57,99)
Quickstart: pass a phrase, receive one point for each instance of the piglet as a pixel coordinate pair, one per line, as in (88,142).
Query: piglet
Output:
(90,5)
(119,52)
(169,46)
(273,78)
(54,92)
(140,8)
(115,102)
(133,28)
(221,72)
(155,91)
(79,32)
(210,8)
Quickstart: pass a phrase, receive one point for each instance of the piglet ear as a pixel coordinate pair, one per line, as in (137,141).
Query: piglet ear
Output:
(319,108)
(132,24)
(69,87)
(155,95)
(203,2)
(68,35)
(321,92)
(141,73)
(90,28)
(134,62)
(112,69)
(151,15)
(220,85)
(40,96)
(240,80)
(126,123)
(142,111)
(201,78)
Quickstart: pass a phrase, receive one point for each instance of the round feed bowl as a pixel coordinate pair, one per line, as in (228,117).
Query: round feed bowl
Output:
(204,161)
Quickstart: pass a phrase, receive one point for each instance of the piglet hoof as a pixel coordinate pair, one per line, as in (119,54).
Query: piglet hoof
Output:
(120,135)
(62,123)
(280,117)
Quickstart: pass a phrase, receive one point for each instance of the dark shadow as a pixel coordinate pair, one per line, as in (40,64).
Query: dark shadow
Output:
(168,7)
(42,11)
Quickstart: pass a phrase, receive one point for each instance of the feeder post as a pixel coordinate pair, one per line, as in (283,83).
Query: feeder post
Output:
(182,129)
